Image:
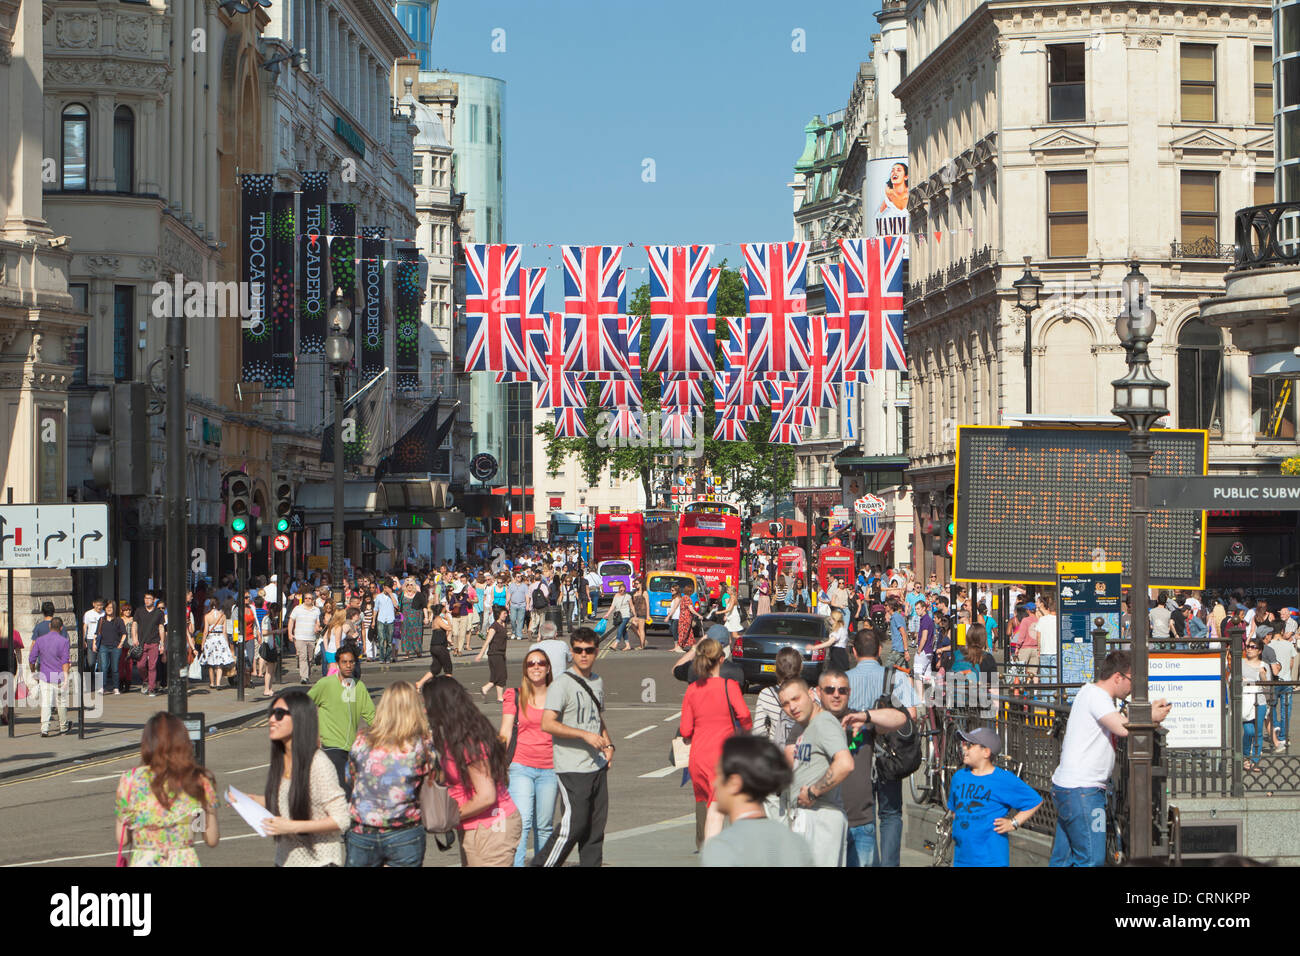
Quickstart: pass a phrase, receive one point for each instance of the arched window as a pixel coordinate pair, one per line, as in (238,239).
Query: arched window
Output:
(76,125)
(1200,377)
(123,149)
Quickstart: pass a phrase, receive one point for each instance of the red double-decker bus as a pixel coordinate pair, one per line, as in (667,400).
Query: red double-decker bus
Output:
(645,541)
(708,543)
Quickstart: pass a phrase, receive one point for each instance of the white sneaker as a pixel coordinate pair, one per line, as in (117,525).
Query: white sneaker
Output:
(117,691)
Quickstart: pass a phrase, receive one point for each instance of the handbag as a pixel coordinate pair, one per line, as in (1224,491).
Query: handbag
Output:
(319,655)
(121,842)
(438,808)
(680,755)
(601,626)
(135,651)
(268,652)
(514,727)
(195,671)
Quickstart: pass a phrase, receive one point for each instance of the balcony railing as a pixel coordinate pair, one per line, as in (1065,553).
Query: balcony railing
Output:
(1267,235)
(957,270)
(1203,248)
(981,259)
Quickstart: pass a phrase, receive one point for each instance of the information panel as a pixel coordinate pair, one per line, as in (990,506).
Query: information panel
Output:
(1193,685)
(1089,599)
(1029,498)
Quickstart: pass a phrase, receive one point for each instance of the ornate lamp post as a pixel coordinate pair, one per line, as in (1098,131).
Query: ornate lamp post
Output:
(1027,288)
(338,352)
(1140,401)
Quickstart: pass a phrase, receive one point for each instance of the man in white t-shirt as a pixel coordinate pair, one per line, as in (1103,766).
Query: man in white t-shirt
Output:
(1047,639)
(1087,759)
(303,624)
(271,593)
(90,630)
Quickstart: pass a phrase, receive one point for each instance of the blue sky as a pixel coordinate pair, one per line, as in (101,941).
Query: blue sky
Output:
(710,90)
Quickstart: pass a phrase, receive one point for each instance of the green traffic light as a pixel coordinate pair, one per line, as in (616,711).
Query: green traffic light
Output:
(952,528)
(238,525)
(282,525)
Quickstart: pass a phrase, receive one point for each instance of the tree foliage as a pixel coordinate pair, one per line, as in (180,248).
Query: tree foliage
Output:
(753,469)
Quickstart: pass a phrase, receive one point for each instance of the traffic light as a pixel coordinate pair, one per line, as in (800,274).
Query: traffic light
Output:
(239,511)
(823,531)
(746,529)
(283,505)
(950,528)
(118,416)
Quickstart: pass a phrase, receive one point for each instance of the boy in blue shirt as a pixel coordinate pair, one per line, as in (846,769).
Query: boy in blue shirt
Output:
(988,803)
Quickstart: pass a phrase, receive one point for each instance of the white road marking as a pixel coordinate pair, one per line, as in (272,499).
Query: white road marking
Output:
(111,776)
(673,717)
(655,774)
(652,827)
(260,766)
(638,733)
(92,856)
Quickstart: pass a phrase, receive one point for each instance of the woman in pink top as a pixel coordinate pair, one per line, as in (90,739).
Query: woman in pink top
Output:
(474,761)
(533,784)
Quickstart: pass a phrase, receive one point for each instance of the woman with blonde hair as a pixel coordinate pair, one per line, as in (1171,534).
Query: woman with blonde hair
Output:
(333,639)
(386,767)
(713,710)
(838,642)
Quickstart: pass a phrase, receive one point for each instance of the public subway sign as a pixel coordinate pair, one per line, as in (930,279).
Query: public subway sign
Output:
(1028,498)
(1208,494)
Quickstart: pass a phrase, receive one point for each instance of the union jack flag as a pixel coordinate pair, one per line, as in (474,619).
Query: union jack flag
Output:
(533,325)
(738,394)
(683,393)
(492,309)
(621,393)
(683,298)
(851,324)
(826,374)
(874,285)
(729,429)
(559,389)
(626,423)
(595,300)
(570,423)
(776,300)
(795,401)
(677,425)
(785,430)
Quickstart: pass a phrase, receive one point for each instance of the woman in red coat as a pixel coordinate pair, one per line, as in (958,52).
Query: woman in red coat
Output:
(707,721)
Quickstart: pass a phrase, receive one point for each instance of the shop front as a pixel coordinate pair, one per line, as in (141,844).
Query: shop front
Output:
(1246,550)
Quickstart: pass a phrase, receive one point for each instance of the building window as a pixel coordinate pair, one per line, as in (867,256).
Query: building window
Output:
(1263,189)
(123,149)
(1065,82)
(487,125)
(1199,195)
(1200,377)
(902,65)
(1067,214)
(76,123)
(1272,408)
(1263,85)
(1197,69)
(80,353)
(419,174)
(123,331)
(473,122)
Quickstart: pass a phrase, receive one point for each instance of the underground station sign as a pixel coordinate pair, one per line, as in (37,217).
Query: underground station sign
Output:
(1226,492)
(1028,498)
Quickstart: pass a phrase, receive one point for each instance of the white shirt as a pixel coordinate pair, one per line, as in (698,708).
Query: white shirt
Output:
(385,609)
(1087,757)
(90,624)
(1047,634)
(305,622)
(270,594)
(558,652)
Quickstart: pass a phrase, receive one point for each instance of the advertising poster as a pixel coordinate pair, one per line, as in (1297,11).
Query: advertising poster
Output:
(1193,684)
(887,184)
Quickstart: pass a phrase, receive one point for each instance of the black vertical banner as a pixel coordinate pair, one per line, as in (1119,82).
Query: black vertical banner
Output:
(280,301)
(343,248)
(255,262)
(407,294)
(370,330)
(313,275)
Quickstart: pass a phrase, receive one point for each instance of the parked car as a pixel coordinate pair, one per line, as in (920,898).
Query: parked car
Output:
(756,649)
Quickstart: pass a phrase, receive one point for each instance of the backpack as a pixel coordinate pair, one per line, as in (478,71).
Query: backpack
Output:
(897,753)
(540,600)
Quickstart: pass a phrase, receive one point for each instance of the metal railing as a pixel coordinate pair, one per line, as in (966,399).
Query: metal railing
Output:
(1267,235)
(1203,248)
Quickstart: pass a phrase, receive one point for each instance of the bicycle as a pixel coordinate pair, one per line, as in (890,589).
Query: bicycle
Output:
(941,846)
(941,757)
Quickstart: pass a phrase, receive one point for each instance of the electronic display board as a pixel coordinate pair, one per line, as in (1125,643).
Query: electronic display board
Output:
(1028,498)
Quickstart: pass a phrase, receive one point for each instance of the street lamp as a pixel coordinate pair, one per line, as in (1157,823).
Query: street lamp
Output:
(1140,401)
(338,352)
(1027,288)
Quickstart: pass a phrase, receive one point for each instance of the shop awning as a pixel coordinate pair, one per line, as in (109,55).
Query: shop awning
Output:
(881,542)
(374,542)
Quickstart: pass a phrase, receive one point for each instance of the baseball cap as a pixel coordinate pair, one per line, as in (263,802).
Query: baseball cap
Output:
(1030,606)
(1290,610)
(984,737)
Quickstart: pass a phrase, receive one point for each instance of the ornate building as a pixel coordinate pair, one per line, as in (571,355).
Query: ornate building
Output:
(1083,138)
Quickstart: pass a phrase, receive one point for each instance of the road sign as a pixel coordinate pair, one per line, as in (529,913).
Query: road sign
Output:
(54,536)
(239,543)
(281,542)
(297,520)
(1224,492)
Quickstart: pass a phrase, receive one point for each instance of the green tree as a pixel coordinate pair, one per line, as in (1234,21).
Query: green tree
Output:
(754,468)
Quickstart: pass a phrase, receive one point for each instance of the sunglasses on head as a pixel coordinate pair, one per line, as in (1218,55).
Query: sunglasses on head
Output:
(278,713)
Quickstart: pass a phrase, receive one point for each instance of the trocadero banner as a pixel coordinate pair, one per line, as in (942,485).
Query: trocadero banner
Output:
(370,328)
(407,289)
(313,274)
(255,268)
(343,248)
(280,300)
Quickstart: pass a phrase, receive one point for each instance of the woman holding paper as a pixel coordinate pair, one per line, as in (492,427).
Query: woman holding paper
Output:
(308,807)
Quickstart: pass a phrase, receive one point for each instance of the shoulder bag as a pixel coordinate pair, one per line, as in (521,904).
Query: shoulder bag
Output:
(514,727)
(438,808)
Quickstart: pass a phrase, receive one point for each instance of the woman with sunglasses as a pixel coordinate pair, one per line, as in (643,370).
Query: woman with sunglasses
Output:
(1253,707)
(713,710)
(640,612)
(386,767)
(302,788)
(533,784)
(474,760)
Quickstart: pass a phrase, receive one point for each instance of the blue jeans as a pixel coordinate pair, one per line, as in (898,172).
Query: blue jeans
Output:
(404,847)
(889,814)
(384,641)
(620,635)
(517,621)
(533,792)
(1252,732)
(1080,826)
(862,845)
(1282,712)
(108,657)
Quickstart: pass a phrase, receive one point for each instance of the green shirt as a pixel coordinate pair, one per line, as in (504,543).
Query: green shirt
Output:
(341,710)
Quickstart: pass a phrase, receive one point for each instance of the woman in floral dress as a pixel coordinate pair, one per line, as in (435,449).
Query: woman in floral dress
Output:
(159,801)
(409,605)
(216,651)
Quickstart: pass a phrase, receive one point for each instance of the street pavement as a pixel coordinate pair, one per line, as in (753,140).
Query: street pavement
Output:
(64,815)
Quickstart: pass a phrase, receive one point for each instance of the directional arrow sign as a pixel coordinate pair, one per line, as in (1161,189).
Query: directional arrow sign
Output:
(1225,492)
(54,536)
